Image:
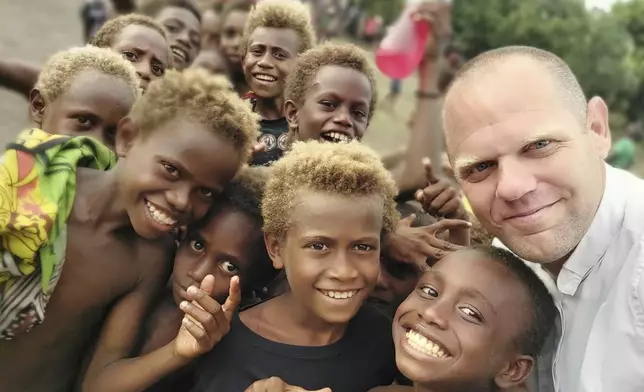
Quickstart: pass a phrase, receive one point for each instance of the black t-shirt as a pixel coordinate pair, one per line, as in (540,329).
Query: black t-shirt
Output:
(362,359)
(274,134)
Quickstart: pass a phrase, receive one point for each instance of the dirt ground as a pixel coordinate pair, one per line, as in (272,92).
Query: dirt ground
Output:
(33,30)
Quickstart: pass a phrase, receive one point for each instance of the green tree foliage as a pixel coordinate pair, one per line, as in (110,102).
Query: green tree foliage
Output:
(595,44)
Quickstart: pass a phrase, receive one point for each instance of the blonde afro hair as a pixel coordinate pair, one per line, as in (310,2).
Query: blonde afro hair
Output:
(62,68)
(107,34)
(280,14)
(199,96)
(309,63)
(346,169)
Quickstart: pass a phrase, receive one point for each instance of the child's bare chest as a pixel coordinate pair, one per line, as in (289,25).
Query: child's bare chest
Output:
(96,271)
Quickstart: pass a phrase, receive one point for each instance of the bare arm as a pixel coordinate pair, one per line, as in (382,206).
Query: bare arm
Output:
(426,139)
(110,368)
(18,76)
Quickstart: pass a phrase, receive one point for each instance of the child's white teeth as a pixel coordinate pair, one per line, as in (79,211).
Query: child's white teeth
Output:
(265,78)
(160,216)
(420,343)
(338,137)
(340,294)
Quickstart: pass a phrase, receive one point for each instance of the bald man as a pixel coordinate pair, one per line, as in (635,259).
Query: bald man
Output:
(528,150)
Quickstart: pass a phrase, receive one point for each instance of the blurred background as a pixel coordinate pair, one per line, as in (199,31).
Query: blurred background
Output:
(602,41)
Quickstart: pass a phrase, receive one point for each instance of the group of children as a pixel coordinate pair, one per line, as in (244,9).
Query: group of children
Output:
(149,245)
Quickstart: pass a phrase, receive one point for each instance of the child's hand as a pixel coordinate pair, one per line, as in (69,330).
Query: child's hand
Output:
(275,384)
(440,198)
(206,322)
(417,244)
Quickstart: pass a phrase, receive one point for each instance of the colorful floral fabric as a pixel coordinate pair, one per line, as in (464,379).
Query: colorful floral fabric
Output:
(37,189)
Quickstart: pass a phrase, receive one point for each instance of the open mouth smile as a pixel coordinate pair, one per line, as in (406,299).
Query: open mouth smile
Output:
(159,217)
(339,295)
(266,78)
(336,137)
(180,54)
(424,345)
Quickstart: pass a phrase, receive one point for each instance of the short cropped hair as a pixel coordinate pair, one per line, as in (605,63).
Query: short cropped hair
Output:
(345,169)
(152,8)
(60,70)
(107,34)
(568,85)
(309,63)
(280,14)
(198,95)
(543,311)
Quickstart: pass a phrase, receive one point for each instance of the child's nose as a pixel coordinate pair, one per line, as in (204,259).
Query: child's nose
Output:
(435,314)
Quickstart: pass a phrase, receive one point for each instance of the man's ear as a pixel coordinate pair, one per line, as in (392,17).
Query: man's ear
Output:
(597,123)
(515,372)
(125,134)
(36,106)
(290,111)
(274,249)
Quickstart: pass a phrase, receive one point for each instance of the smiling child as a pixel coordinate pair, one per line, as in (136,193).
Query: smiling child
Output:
(330,94)
(325,210)
(227,243)
(475,322)
(107,247)
(181,20)
(276,32)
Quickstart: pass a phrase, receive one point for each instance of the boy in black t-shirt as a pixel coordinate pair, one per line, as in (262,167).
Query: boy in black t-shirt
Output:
(475,322)
(276,32)
(325,208)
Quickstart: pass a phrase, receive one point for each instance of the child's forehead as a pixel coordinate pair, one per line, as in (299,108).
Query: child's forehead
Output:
(272,36)
(92,84)
(471,270)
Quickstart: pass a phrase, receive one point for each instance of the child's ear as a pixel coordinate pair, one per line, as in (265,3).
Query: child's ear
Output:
(515,372)
(36,106)
(290,112)
(125,134)
(274,249)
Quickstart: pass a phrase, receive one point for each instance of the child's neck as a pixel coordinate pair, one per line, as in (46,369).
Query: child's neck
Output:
(269,108)
(98,200)
(286,313)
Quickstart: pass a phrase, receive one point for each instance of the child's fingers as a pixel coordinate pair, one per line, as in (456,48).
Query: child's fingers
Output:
(448,224)
(234,297)
(442,200)
(451,208)
(206,319)
(429,171)
(195,330)
(407,221)
(208,284)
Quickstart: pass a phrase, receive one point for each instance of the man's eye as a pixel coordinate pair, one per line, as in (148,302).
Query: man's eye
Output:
(197,246)
(479,167)
(541,144)
(205,192)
